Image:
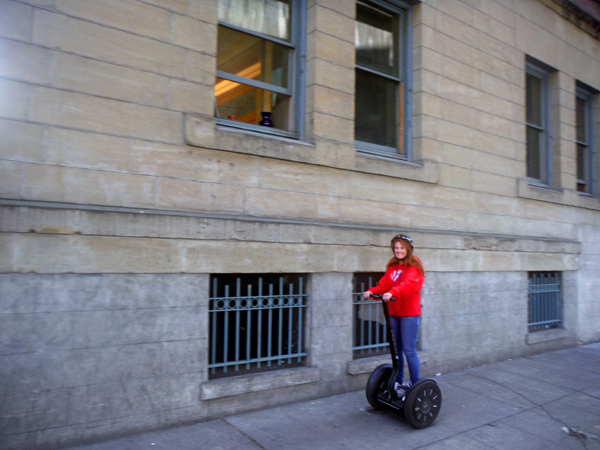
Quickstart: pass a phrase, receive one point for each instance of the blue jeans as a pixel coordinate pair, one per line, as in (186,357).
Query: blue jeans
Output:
(405,333)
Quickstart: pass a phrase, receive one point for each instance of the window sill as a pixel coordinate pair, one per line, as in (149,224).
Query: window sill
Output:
(245,384)
(525,189)
(367,365)
(203,131)
(537,337)
(427,172)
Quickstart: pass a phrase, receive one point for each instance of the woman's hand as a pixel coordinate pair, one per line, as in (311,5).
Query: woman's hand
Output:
(367,295)
(387,296)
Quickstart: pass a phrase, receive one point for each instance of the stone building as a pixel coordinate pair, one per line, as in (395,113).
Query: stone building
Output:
(192,192)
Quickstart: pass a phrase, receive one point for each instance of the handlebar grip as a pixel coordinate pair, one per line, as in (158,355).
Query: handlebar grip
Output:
(380,297)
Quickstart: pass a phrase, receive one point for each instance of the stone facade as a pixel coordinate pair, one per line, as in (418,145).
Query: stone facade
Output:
(120,195)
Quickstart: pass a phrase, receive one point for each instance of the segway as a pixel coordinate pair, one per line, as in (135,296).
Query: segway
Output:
(420,404)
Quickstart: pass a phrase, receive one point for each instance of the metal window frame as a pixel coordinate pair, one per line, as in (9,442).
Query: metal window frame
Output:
(296,76)
(545,301)
(541,71)
(223,364)
(586,94)
(404,11)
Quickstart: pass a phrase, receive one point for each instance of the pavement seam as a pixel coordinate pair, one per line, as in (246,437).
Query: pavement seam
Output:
(250,438)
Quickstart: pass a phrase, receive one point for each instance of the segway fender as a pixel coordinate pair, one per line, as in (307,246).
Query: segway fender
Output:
(376,384)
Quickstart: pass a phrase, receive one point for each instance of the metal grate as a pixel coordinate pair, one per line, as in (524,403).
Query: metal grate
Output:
(545,300)
(370,338)
(255,323)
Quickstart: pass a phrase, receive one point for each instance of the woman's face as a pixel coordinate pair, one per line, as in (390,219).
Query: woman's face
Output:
(399,250)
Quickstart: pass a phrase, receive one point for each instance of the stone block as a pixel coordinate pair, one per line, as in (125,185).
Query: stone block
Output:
(292,176)
(452,176)
(194,163)
(331,101)
(15,20)
(194,34)
(244,384)
(333,128)
(192,97)
(331,22)
(200,67)
(331,49)
(23,61)
(109,80)
(127,15)
(107,44)
(103,115)
(374,212)
(21,140)
(205,10)
(186,195)
(180,6)
(11,181)
(85,186)
(248,257)
(280,203)
(89,254)
(14,99)
(327,74)
(92,150)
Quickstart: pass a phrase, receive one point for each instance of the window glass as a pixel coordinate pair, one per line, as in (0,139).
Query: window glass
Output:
(380,84)
(259,66)
(533,153)
(251,57)
(376,40)
(580,119)
(240,102)
(534,100)
(270,17)
(376,101)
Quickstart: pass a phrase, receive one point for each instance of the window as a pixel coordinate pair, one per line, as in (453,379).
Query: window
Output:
(584,124)
(370,335)
(259,77)
(537,122)
(382,104)
(545,300)
(256,323)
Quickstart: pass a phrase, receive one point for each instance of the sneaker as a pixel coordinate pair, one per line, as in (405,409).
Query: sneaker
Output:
(400,389)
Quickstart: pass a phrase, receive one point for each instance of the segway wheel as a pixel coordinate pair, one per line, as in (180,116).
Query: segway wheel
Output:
(423,404)
(376,384)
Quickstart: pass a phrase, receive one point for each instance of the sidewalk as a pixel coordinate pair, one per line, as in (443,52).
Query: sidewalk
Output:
(515,404)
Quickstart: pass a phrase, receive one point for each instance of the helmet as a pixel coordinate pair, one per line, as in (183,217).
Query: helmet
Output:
(404,238)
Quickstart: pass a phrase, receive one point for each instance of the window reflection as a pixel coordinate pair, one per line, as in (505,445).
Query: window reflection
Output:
(243,103)
(251,57)
(374,38)
(270,17)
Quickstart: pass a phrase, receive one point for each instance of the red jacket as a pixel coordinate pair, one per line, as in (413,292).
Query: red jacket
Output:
(404,283)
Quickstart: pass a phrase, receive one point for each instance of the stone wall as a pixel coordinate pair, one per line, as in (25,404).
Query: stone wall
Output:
(120,195)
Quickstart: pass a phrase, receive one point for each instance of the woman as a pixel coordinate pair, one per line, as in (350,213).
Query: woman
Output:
(403,280)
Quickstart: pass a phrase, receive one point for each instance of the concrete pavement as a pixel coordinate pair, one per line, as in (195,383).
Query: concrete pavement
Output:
(525,403)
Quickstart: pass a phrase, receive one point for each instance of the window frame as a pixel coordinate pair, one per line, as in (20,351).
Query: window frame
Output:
(539,70)
(296,75)
(586,94)
(404,54)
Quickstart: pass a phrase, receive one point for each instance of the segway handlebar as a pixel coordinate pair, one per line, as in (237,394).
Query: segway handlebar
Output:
(380,297)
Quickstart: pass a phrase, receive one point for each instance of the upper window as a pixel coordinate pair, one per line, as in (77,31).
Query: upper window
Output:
(584,137)
(258,65)
(537,104)
(382,111)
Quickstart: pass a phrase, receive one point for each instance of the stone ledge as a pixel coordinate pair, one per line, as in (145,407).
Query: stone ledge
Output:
(547,336)
(558,196)
(244,384)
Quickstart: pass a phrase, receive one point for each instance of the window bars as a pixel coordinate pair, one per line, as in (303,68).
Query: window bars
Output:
(259,326)
(370,335)
(545,300)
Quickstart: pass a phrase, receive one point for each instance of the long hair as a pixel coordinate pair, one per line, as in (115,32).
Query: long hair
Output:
(409,260)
